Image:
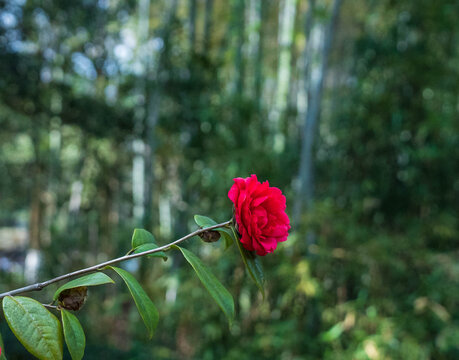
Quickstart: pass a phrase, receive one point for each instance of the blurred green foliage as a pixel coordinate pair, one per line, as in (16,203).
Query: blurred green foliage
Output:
(380,277)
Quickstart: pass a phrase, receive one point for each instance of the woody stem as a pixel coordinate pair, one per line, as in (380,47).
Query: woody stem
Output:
(41,285)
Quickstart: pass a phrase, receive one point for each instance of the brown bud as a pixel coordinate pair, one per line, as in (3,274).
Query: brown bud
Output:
(210,236)
(73,299)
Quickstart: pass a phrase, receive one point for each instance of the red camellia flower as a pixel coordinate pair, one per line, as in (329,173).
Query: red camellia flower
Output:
(260,214)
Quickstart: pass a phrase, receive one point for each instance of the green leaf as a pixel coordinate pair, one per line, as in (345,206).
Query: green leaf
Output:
(218,292)
(151,246)
(226,231)
(141,236)
(252,264)
(35,327)
(204,222)
(228,237)
(94,279)
(73,334)
(146,308)
(333,333)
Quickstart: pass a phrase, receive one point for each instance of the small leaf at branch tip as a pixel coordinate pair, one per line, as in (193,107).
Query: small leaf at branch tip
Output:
(146,247)
(204,221)
(97,278)
(141,237)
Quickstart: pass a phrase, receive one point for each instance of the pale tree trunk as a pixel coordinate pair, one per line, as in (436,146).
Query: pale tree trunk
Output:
(138,164)
(154,63)
(46,165)
(37,207)
(253,45)
(261,6)
(287,17)
(307,56)
(150,125)
(239,58)
(293,81)
(150,59)
(306,171)
(303,81)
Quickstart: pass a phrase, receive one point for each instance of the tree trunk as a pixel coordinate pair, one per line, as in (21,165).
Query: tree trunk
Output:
(36,209)
(303,81)
(153,94)
(138,164)
(285,36)
(261,6)
(150,125)
(239,59)
(306,175)
(33,256)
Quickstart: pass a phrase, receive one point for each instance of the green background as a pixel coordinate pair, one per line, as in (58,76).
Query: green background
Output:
(100,97)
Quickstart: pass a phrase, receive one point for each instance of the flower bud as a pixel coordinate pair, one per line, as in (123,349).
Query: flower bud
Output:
(210,236)
(73,299)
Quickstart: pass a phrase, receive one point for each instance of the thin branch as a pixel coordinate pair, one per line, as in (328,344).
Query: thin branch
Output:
(53,307)
(41,285)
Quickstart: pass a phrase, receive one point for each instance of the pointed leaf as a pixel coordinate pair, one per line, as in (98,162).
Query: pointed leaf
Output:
(73,334)
(226,231)
(35,327)
(146,308)
(204,221)
(141,236)
(228,237)
(252,264)
(218,292)
(151,246)
(94,279)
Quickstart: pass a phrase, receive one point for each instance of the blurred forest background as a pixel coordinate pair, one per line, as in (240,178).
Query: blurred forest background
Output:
(121,114)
